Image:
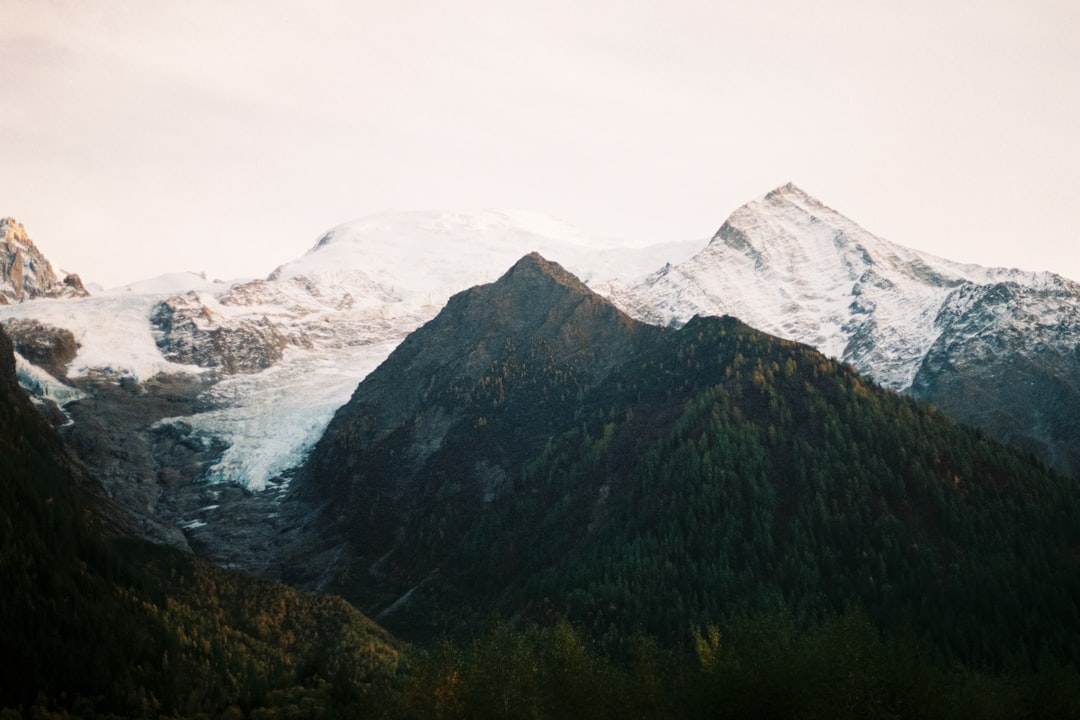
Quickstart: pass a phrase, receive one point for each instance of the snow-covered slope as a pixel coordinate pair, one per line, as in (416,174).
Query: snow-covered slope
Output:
(787,264)
(419,258)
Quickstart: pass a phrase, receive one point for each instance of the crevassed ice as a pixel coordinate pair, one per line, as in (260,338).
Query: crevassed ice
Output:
(272,419)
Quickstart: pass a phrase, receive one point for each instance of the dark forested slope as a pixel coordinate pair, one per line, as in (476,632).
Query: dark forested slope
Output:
(534,450)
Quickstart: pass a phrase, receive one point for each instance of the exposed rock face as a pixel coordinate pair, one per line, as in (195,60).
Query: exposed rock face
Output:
(116,515)
(74,286)
(146,467)
(1008,361)
(968,338)
(192,334)
(49,347)
(25,274)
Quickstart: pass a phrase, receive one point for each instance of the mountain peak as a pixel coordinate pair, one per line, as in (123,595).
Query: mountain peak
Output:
(792,194)
(535,265)
(12,230)
(788,188)
(783,200)
(513,356)
(25,273)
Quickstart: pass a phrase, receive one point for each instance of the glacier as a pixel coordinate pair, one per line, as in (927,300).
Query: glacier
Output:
(339,310)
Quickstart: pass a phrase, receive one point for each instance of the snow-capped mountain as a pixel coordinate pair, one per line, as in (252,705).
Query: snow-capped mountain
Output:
(275,357)
(791,266)
(25,273)
(787,264)
(177,388)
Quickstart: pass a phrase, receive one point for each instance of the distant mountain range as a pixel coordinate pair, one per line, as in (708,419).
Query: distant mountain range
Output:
(177,381)
(441,448)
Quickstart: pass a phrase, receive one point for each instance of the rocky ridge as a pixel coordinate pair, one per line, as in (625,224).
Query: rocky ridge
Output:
(25,274)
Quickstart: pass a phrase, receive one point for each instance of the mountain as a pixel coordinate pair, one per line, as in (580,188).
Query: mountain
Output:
(192,400)
(993,347)
(98,624)
(534,450)
(25,273)
(525,347)
(531,451)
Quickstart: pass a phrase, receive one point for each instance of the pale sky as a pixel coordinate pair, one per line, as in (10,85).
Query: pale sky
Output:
(139,137)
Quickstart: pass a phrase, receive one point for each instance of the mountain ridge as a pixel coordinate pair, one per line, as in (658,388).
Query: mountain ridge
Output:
(497,462)
(253,371)
(788,264)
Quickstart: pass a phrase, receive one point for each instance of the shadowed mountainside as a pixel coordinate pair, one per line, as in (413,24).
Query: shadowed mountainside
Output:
(534,449)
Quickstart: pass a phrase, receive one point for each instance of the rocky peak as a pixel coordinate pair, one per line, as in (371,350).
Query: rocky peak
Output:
(25,273)
(12,231)
(536,338)
(785,210)
(537,298)
(533,267)
(788,193)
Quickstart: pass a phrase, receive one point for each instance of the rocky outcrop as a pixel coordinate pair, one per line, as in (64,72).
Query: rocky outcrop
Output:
(49,347)
(1008,361)
(151,469)
(25,274)
(115,514)
(190,333)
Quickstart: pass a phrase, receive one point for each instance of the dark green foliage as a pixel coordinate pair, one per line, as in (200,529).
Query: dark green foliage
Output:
(533,450)
(729,472)
(761,666)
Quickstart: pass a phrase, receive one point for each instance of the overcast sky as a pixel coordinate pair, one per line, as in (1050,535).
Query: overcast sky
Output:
(138,138)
